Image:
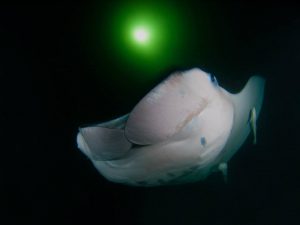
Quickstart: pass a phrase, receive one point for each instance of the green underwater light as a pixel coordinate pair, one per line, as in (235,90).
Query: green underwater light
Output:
(147,37)
(141,35)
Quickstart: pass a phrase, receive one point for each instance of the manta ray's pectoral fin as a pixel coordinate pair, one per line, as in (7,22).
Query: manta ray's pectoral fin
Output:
(253,123)
(223,169)
(104,141)
(101,143)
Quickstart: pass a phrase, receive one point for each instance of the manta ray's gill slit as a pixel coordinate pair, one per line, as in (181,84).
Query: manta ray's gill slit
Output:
(203,141)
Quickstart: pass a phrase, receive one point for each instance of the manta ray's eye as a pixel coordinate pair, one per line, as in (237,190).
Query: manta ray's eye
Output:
(213,79)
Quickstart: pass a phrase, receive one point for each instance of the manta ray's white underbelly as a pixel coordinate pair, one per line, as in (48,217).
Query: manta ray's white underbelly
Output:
(176,161)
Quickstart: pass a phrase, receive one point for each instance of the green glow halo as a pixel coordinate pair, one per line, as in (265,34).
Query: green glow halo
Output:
(147,37)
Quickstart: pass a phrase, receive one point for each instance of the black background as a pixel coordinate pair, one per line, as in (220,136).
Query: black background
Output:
(51,82)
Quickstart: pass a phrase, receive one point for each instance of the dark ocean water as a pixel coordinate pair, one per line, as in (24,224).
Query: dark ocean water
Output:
(52,81)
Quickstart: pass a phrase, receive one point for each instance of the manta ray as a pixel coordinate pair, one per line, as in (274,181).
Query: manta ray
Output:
(184,129)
